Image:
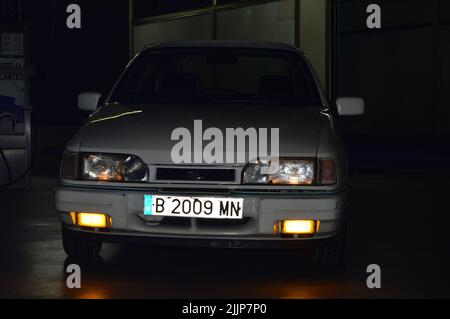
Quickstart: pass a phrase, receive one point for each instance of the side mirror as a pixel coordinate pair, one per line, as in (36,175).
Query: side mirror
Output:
(348,106)
(88,101)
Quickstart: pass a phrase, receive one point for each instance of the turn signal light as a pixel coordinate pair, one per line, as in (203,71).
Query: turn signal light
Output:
(327,170)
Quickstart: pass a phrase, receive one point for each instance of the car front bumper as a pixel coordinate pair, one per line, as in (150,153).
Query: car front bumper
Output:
(261,211)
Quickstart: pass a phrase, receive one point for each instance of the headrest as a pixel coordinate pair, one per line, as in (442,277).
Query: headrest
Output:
(176,82)
(275,86)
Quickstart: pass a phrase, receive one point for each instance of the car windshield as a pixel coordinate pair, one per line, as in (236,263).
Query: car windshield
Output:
(217,75)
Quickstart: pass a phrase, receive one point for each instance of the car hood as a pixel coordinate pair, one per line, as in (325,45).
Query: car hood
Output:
(146,130)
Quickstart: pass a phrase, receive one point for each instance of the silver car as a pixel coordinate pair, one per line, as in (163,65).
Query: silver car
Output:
(209,143)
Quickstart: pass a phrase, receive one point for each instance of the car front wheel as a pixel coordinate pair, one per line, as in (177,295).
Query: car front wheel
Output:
(334,251)
(80,248)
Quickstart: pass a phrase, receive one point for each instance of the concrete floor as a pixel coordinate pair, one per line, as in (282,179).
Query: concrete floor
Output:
(399,222)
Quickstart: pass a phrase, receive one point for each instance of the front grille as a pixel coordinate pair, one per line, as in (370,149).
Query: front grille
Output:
(195,174)
(192,191)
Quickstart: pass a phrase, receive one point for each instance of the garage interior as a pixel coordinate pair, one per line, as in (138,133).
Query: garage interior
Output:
(399,151)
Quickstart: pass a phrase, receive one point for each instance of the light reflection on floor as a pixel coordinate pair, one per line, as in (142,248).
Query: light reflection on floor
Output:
(33,262)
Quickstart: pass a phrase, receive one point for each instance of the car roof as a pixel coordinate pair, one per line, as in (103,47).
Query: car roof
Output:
(225,44)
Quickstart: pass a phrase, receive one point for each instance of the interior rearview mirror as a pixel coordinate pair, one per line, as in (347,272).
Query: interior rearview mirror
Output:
(88,101)
(348,106)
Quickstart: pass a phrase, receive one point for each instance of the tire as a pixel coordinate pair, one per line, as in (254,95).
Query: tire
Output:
(80,248)
(333,252)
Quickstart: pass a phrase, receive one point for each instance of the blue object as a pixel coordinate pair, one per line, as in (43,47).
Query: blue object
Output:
(7,102)
(148,202)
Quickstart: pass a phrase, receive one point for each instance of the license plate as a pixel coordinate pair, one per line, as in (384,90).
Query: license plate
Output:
(199,207)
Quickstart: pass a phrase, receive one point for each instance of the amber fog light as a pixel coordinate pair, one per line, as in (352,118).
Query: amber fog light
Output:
(94,220)
(299,227)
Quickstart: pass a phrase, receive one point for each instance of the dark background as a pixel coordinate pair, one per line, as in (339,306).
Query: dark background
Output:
(67,61)
(399,152)
(402,71)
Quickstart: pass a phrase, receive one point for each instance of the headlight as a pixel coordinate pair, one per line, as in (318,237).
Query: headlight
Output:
(281,172)
(290,172)
(112,167)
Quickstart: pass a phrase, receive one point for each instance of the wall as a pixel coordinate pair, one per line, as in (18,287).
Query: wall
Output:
(401,70)
(269,21)
(189,28)
(313,35)
(70,61)
(272,21)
